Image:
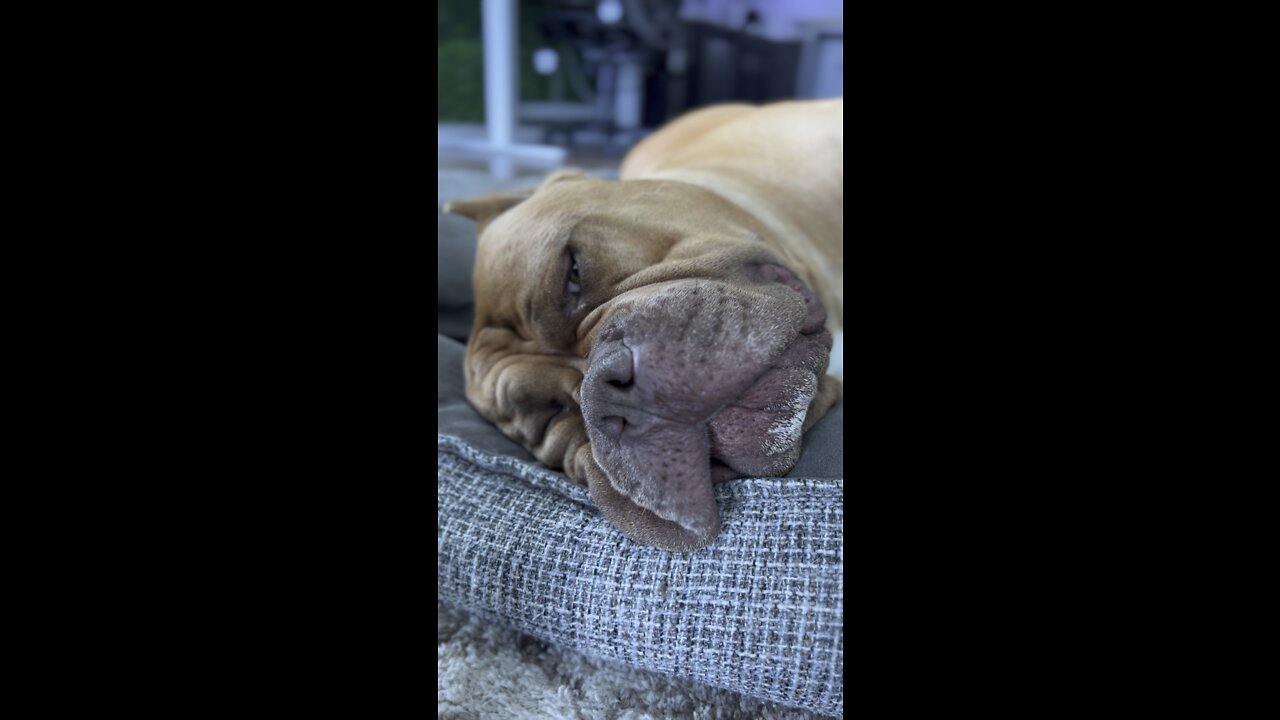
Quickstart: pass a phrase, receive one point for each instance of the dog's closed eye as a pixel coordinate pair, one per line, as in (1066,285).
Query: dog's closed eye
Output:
(574,286)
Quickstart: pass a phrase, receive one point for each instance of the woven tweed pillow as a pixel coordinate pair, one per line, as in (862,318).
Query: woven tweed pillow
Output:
(760,611)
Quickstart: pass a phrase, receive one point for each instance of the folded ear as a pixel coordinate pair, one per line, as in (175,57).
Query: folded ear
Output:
(484,209)
(562,175)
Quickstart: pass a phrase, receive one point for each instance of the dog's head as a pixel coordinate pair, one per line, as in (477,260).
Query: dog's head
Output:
(640,335)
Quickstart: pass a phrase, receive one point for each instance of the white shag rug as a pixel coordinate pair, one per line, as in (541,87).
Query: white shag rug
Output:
(485,670)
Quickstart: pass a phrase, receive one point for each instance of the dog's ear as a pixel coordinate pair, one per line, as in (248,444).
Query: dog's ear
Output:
(484,209)
(563,175)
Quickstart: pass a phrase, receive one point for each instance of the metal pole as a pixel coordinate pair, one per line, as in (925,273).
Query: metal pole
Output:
(499,19)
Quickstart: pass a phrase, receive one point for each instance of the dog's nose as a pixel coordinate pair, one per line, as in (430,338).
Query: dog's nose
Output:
(612,394)
(618,367)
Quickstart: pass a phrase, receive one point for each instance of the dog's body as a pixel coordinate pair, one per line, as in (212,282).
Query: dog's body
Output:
(784,163)
(658,333)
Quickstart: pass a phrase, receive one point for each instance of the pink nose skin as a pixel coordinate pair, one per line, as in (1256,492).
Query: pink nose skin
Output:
(815,313)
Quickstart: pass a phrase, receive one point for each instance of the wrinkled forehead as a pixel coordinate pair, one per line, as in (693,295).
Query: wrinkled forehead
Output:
(515,260)
(523,254)
(516,247)
(597,211)
(532,227)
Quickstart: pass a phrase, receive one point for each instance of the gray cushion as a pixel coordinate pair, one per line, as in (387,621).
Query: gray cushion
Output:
(759,611)
(455,257)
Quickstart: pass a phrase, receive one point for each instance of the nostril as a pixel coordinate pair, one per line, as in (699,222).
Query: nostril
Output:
(617,369)
(612,426)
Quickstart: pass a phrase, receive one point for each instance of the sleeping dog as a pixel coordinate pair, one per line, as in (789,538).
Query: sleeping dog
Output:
(656,334)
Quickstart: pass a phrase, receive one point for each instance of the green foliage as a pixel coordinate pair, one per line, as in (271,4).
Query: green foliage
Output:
(461,90)
(459,58)
(532,85)
(457,19)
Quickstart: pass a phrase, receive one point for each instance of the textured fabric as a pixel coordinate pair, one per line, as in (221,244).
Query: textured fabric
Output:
(760,611)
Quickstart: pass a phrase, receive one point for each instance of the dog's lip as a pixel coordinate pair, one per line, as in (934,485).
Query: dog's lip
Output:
(799,358)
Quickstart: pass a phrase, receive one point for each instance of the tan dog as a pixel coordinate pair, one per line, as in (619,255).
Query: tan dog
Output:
(656,334)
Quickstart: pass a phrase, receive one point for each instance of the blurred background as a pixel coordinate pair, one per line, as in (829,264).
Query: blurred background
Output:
(529,85)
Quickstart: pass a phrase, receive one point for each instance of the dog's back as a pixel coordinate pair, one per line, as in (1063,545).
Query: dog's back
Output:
(784,163)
